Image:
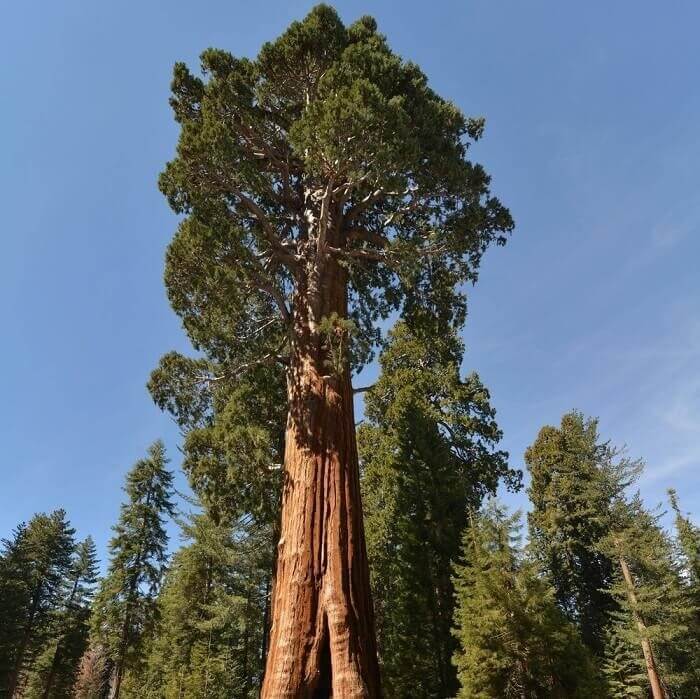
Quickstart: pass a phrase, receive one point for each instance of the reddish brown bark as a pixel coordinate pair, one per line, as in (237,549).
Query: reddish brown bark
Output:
(322,640)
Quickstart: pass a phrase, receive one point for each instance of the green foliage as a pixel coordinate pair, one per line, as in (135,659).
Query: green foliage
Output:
(327,146)
(574,479)
(336,333)
(428,450)
(209,639)
(124,607)
(513,639)
(659,599)
(54,673)
(623,665)
(688,546)
(33,568)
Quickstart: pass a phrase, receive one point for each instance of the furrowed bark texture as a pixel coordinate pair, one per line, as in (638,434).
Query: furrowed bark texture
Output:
(322,640)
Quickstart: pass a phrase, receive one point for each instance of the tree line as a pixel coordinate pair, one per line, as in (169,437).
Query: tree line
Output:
(601,601)
(324,190)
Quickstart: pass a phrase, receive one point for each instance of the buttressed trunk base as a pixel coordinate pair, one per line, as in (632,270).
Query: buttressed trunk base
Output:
(322,639)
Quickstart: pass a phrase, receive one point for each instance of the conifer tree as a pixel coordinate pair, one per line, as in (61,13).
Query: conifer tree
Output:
(14,593)
(623,667)
(427,452)
(574,480)
(94,671)
(656,613)
(320,183)
(209,638)
(54,673)
(124,607)
(233,448)
(688,537)
(33,568)
(513,639)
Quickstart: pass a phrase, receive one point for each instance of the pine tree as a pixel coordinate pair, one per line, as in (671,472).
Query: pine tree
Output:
(55,671)
(209,638)
(321,182)
(233,448)
(34,565)
(427,451)
(124,607)
(574,479)
(656,614)
(688,537)
(14,594)
(513,639)
(623,668)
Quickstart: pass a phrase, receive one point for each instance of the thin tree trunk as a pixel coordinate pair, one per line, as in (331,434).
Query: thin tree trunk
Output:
(322,641)
(652,672)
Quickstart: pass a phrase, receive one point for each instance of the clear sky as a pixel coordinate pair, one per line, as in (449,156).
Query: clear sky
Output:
(593,141)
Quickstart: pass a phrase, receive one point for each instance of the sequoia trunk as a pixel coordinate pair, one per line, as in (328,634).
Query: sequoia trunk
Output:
(322,640)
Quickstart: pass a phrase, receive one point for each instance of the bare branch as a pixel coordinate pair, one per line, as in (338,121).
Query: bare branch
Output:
(367,236)
(358,254)
(363,389)
(279,248)
(364,204)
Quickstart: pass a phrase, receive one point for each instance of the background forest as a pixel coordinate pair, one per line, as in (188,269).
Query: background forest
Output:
(593,593)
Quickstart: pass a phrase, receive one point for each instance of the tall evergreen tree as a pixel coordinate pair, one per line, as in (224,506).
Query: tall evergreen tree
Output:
(656,613)
(321,182)
(514,641)
(55,671)
(574,480)
(233,448)
(124,607)
(209,639)
(14,593)
(32,570)
(688,537)
(427,451)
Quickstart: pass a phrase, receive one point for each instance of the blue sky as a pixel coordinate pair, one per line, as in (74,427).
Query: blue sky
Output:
(592,140)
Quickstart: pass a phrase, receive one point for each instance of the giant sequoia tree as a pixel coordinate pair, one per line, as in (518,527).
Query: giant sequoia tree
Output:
(323,185)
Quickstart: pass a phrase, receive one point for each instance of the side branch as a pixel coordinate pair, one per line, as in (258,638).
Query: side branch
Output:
(279,248)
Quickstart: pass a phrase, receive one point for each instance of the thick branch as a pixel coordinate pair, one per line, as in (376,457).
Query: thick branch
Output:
(279,248)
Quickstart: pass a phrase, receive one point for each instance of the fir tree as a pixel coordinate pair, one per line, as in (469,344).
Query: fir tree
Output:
(688,537)
(34,566)
(574,479)
(54,673)
(428,450)
(209,639)
(623,668)
(320,183)
(14,595)
(124,607)
(513,639)
(656,614)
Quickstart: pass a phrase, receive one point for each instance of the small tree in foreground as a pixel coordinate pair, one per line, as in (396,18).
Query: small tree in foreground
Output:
(323,184)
